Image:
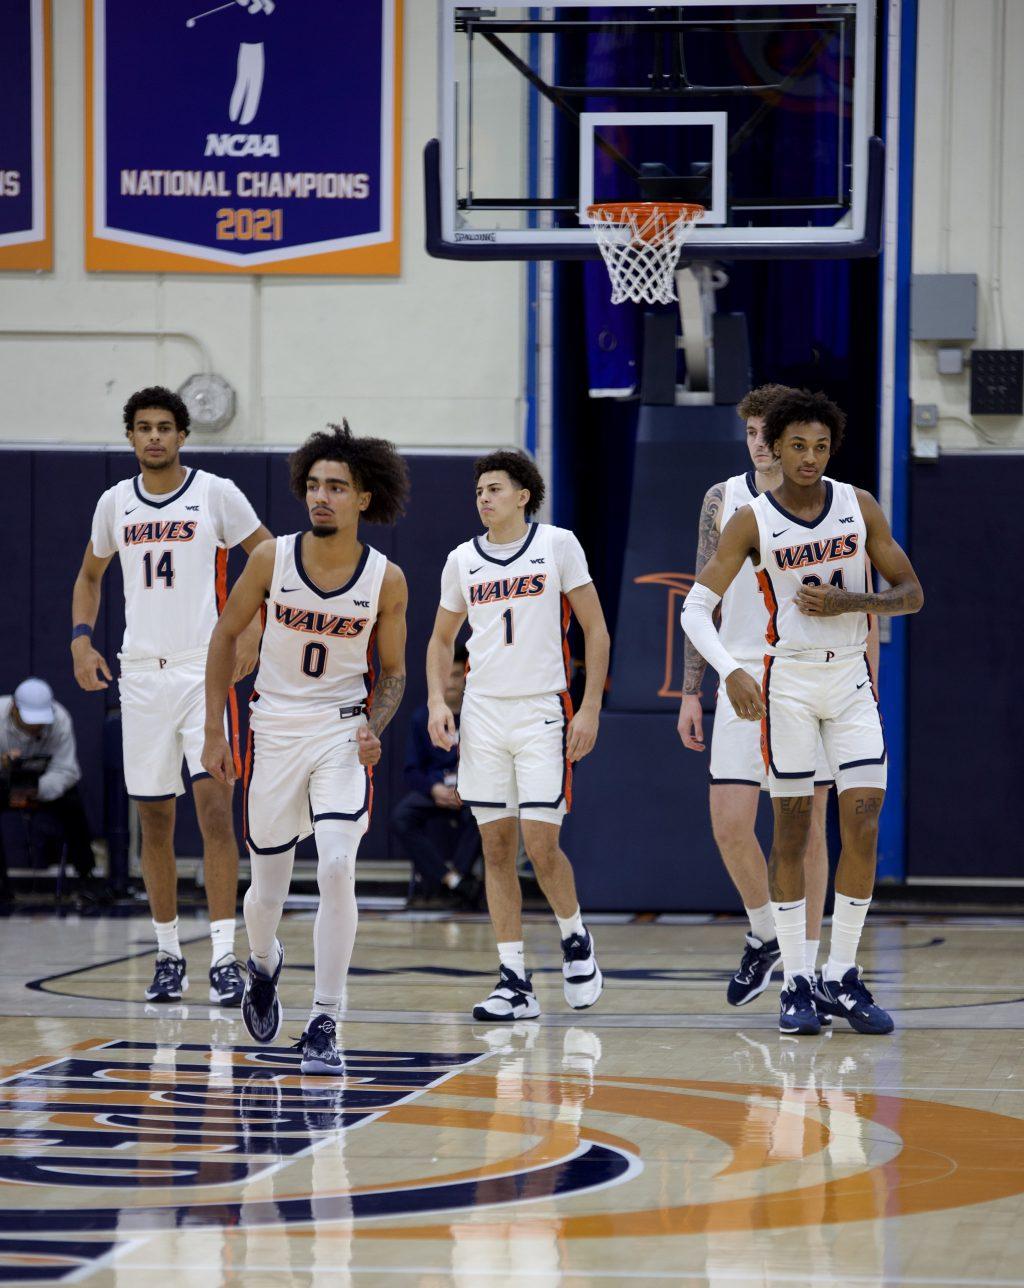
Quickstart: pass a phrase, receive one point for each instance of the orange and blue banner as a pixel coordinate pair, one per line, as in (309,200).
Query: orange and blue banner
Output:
(26,230)
(253,136)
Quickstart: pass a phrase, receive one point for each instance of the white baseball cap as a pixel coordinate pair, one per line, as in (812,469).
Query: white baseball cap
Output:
(34,700)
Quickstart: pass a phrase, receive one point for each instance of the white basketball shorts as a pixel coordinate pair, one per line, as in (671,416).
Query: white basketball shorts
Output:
(163,712)
(736,746)
(512,757)
(295,777)
(807,694)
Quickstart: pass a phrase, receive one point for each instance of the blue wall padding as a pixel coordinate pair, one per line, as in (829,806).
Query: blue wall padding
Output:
(965,704)
(48,498)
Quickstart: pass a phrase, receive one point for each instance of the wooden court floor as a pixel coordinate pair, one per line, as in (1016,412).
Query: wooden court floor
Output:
(659,1138)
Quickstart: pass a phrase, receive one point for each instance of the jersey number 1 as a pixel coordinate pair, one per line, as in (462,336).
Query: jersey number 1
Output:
(506,621)
(164,569)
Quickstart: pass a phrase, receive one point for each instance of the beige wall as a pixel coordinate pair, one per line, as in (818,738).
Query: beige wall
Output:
(969,195)
(432,358)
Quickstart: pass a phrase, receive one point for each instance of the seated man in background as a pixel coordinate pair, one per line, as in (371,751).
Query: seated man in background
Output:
(39,771)
(438,832)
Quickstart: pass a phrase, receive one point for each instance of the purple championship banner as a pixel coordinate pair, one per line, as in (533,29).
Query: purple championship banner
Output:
(267,143)
(26,240)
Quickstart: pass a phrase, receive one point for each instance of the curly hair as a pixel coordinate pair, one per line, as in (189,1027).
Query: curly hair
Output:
(757,402)
(520,469)
(375,465)
(801,407)
(157,396)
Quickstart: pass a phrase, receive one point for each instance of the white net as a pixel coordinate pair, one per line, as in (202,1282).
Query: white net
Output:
(640,246)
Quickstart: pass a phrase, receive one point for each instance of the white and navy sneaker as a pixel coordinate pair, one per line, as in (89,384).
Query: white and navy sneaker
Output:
(261,1007)
(319,1053)
(755,973)
(169,979)
(820,1001)
(513,999)
(582,980)
(227,983)
(796,1008)
(850,999)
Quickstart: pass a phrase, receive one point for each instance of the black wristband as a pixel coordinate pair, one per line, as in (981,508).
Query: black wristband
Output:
(78,631)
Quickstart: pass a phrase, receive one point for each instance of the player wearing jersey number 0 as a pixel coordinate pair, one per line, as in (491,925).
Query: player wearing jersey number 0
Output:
(172,528)
(806,539)
(317,714)
(518,737)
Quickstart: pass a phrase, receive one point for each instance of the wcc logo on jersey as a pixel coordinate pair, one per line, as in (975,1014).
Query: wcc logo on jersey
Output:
(142,534)
(817,552)
(492,592)
(311,623)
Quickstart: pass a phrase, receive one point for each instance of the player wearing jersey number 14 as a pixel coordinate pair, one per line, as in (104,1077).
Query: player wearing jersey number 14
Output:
(807,539)
(518,737)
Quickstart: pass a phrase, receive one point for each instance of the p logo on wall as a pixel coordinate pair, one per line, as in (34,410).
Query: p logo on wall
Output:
(252,136)
(26,234)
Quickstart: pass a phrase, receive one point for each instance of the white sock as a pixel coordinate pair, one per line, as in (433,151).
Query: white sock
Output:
(263,905)
(222,939)
(167,937)
(791,932)
(570,925)
(762,923)
(329,1007)
(337,917)
(812,956)
(512,957)
(847,923)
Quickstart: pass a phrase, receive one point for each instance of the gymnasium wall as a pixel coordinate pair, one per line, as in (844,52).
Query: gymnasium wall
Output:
(968,194)
(431,358)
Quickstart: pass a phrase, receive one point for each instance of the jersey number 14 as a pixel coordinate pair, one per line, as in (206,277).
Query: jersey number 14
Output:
(163,568)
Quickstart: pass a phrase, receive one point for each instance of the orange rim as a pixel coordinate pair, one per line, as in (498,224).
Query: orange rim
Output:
(621,212)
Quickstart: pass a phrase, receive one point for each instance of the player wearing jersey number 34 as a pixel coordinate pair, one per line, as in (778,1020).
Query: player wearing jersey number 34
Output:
(806,539)
(518,737)
(317,714)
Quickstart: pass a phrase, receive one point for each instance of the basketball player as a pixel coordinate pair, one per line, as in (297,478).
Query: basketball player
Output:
(316,715)
(172,527)
(518,736)
(737,770)
(806,539)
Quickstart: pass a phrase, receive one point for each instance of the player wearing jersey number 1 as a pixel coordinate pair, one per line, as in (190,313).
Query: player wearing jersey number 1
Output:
(317,714)
(807,539)
(172,528)
(518,737)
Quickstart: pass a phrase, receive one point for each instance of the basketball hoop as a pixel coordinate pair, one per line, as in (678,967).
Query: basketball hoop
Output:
(640,242)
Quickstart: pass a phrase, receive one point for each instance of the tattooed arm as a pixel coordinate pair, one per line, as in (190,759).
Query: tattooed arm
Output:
(690,725)
(387,692)
(905,594)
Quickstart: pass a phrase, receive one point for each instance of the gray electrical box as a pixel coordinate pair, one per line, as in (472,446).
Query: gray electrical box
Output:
(943,306)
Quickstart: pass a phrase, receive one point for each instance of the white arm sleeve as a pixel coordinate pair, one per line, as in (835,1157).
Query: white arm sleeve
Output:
(452,597)
(104,543)
(236,519)
(698,623)
(571,561)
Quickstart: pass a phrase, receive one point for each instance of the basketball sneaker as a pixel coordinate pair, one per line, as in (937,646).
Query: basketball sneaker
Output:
(754,975)
(513,999)
(796,1008)
(227,983)
(319,1053)
(261,1007)
(820,1001)
(582,980)
(169,979)
(849,998)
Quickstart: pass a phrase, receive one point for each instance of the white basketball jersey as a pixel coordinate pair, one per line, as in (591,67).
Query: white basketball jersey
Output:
(744,618)
(317,650)
(825,551)
(173,559)
(518,616)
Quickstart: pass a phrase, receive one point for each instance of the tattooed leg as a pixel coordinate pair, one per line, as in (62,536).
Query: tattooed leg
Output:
(859,808)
